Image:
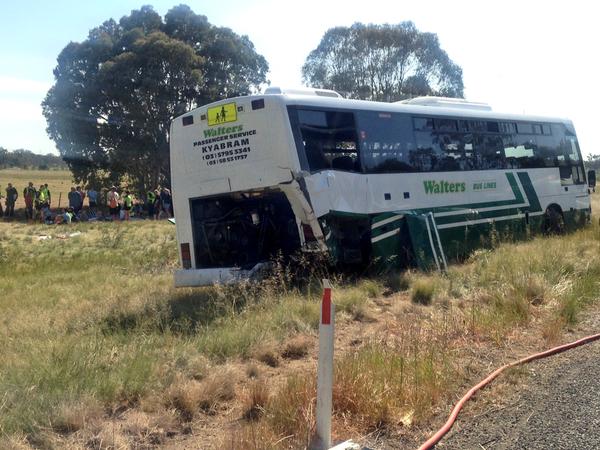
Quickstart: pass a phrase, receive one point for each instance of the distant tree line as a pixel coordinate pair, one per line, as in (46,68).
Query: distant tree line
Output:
(26,159)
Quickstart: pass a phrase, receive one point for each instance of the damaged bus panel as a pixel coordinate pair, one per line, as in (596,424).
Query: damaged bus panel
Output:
(364,183)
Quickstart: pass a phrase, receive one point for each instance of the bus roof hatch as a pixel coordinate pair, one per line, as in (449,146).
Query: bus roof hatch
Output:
(446,102)
(302,91)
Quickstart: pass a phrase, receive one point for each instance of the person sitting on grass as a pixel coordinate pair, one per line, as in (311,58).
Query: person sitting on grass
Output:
(65,218)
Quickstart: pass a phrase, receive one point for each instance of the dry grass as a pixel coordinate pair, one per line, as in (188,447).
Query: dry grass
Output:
(255,435)
(189,397)
(267,353)
(76,415)
(290,412)
(185,397)
(423,290)
(252,371)
(297,347)
(255,400)
(15,442)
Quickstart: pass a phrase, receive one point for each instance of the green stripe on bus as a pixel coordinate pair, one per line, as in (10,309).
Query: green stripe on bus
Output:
(493,214)
(532,197)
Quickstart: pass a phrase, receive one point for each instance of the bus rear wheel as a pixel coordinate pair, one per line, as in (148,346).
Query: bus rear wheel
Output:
(554,221)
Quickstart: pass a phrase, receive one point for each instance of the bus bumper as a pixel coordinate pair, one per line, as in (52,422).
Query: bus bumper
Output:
(218,275)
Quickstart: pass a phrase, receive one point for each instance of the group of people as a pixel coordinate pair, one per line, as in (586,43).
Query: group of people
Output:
(122,205)
(35,199)
(157,203)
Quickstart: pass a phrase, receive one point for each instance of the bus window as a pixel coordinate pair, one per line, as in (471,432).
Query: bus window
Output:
(508,128)
(329,140)
(525,128)
(445,125)
(493,127)
(423,123)
(428,152)
(386,141)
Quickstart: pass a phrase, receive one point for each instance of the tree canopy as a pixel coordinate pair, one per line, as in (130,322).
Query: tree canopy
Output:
(115,93)
(382,63)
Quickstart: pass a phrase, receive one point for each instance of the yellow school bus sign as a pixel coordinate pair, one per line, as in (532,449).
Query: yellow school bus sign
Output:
(222,114)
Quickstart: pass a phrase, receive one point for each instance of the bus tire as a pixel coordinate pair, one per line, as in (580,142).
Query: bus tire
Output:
(554,220)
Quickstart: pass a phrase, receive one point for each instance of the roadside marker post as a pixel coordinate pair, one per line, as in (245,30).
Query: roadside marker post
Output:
(322,439)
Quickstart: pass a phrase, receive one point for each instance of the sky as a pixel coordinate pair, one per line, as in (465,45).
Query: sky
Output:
(533,57)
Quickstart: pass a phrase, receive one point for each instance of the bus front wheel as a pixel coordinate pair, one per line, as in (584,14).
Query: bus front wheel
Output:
(554,221)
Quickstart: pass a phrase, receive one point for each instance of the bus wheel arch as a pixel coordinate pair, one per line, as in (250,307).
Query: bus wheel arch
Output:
(554,220)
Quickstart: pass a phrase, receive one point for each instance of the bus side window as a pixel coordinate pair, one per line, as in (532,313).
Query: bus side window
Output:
(387,141)
(329,139)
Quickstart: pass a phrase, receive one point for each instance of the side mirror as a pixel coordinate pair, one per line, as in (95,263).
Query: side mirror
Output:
(591,176)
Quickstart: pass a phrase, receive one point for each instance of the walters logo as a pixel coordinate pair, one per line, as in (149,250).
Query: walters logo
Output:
(443,187)
(222,131)
(222,114)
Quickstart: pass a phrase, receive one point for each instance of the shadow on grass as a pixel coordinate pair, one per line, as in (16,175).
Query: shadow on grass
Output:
(181,313)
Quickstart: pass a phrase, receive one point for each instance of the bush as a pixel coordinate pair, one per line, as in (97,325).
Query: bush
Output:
(423,291)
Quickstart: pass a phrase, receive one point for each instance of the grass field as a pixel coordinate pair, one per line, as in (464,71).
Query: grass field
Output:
(59,183)
(100,351)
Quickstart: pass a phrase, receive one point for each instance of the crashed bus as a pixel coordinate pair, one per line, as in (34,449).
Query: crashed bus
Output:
(417,182)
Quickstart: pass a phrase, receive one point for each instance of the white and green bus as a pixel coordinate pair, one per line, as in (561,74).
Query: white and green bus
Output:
(419,182)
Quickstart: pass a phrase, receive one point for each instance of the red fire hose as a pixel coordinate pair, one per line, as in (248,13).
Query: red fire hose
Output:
(553,351)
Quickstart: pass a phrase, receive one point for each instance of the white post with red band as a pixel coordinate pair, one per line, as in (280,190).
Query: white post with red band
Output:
(325,371)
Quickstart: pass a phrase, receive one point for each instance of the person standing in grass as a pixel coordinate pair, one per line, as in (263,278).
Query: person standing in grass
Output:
(156,204)
(92,198)
(43,201)
(11,198)
(150,200)
(81,193)
(92,202)
(127,205)
(29,195)
(48,195)
(165,201)
(112,199)
(74,200)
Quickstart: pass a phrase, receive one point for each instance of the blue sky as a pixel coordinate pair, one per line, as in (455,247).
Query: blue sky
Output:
(519,56)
